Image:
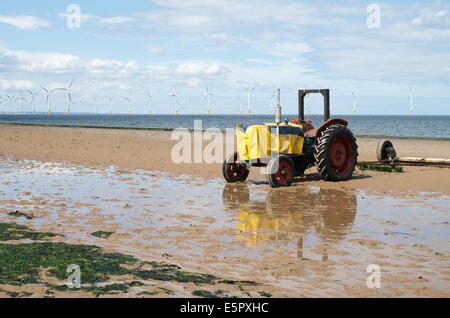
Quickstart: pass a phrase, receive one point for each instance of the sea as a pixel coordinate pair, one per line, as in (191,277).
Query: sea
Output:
(430,127)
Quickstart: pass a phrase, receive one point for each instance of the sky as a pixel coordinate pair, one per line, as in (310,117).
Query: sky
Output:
(120,49)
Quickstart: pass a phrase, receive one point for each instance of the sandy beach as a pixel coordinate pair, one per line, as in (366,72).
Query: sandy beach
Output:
(151,150)
(195,236)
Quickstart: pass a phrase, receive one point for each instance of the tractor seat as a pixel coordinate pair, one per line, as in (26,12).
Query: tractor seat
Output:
(311,133)
(307,124)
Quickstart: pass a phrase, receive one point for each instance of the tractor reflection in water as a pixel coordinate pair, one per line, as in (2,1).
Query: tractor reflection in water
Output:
(280,217)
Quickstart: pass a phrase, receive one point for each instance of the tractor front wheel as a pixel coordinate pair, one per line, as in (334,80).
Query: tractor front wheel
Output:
(233,171)
(336,153)
(280,172)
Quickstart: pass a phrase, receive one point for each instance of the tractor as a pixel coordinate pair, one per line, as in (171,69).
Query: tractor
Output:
(286,149)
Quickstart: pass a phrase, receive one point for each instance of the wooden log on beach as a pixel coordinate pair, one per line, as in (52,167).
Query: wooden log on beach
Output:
(426,160)
(410,161)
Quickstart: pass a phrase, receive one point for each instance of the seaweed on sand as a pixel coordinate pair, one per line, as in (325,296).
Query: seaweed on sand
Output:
(22,264)
(19,214)
(12,231)
(102,234)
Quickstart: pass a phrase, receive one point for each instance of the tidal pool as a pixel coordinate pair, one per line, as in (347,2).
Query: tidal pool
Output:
(298,241)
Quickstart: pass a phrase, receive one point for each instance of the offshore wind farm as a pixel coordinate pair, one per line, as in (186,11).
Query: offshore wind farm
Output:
(204,104)
(174,112)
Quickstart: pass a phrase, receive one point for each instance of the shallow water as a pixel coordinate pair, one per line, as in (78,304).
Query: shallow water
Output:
(300,241)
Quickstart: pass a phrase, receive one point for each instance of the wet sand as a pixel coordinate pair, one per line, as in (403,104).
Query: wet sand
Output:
(151,150)
(314,239)
(304,241)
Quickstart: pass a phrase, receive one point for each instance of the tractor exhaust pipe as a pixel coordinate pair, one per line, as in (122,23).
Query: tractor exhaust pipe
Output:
(278,109)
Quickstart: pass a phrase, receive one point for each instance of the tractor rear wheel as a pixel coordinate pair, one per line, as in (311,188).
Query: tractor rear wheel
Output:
(336,153)
(233,171)
(280,172)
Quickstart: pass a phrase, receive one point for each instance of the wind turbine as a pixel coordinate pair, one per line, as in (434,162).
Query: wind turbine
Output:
(272,103)
(240,105)
(208,98)
(110,105)
(82,106)
(411,94)
(20,99)
(95,105)
(249,90)
(149,101)
(33,100)
(15,100)
(129,107)
(176,103)
(308,105)
(69,97)
(10,98)
(49,93)
(354,102)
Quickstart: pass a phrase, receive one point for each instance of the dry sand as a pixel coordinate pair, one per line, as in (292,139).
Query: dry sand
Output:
(150,150)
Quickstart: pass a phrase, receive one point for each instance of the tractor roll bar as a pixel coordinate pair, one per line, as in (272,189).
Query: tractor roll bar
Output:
(301,101)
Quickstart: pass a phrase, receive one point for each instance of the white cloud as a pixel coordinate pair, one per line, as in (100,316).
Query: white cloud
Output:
(194,81)
(220,39)
(430,18)
(194,16)
(115,20)
(154,49)
(230,43)
(200,68)
(58,63)
(101,21)
(16,84)
(24,22)
(290,49)
(41,62)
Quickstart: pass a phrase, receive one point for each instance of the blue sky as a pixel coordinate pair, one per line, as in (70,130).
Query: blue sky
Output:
(123,48)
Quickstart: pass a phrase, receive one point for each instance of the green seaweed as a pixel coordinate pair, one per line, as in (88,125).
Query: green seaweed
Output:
(381,168)
(22,264)
(398,169)
(167,291)
(204,294)
(264,294)
(102,290)
(12,231)
(16,294)
(19,214)
(147,293)
(238,282)
(176,275)
(94,289)
(102,234)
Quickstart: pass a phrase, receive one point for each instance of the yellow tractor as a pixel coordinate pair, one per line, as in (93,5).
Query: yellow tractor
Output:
(288,148)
